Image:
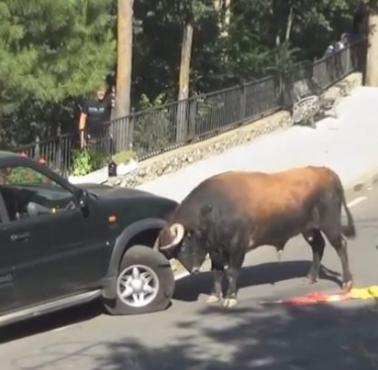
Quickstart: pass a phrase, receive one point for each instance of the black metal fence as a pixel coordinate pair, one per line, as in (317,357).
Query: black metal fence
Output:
(150,132)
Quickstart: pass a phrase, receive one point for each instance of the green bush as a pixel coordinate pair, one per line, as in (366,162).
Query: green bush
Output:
(124,156)
(152,128)
(87,160)
(24,176)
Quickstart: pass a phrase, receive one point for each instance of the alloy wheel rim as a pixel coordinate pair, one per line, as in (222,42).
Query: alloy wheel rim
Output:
(137,286)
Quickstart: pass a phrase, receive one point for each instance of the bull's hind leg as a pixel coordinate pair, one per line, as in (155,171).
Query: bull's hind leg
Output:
(340,245)
(317,243)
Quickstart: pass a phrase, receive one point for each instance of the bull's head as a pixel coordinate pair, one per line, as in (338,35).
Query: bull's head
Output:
(184,245)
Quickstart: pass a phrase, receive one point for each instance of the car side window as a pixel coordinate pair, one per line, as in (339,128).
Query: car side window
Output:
(29,193)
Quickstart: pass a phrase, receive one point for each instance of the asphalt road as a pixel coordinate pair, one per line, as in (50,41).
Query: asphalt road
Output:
(192,335)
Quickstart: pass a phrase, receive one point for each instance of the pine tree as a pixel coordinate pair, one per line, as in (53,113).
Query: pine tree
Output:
(51,50)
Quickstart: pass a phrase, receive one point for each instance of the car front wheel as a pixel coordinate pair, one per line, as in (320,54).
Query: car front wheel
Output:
(145,282)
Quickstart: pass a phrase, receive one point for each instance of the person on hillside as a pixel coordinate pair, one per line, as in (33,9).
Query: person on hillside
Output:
(330,50)
(94,116)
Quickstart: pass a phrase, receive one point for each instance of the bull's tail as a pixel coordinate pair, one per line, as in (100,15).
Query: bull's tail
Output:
(349,230)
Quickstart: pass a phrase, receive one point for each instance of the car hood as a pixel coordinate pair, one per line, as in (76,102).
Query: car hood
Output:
(106,191)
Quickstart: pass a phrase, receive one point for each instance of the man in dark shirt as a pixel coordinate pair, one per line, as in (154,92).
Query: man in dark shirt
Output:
(94,115)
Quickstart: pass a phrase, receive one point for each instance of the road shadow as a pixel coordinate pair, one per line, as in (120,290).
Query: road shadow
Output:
(190,287)
(45,323)
(187,289)
(290,338)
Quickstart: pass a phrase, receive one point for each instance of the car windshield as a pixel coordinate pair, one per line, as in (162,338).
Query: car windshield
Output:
(24,176)
(28,192)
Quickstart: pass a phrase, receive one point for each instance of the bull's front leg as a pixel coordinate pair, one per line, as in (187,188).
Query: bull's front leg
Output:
(231,295)
(232,273)
(216,294)
(217,268)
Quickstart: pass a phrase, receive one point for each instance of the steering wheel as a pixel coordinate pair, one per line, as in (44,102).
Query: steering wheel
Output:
(35,209)
(71,205)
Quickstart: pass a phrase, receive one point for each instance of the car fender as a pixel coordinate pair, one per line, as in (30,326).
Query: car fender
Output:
(120,247)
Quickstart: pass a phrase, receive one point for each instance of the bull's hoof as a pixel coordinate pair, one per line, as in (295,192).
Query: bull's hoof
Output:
(311,279)
(230,302)
(213,299)
(347,286)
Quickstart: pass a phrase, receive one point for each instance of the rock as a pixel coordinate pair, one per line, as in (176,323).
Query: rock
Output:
(168,169)
(142,172)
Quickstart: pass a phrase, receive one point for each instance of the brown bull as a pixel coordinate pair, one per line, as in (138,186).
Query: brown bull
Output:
(231,213)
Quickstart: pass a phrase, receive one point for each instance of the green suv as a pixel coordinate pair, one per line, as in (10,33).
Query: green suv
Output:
(61,245)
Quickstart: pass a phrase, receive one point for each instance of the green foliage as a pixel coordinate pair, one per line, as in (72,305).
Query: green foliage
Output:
(145,103)
(124,157)
(24,176)
(87,160)
(151,128)
(52,50)
(318,23)
(255,42)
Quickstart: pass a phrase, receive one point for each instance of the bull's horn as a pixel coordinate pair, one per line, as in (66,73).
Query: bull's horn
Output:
(178,231)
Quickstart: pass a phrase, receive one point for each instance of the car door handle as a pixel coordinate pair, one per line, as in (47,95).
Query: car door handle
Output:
(20,237)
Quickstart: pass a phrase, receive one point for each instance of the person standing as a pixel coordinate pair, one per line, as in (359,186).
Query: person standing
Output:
(94,117)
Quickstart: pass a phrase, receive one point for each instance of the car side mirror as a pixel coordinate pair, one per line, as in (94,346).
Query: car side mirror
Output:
(82,198)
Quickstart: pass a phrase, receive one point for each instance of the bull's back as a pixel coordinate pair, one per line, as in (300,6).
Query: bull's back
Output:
(263,198)
(278,206)
(266,195)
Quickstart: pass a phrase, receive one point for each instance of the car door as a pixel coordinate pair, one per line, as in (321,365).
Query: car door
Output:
(59,250)
(7,291)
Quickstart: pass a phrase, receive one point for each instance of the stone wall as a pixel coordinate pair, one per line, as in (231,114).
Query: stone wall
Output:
(176,159)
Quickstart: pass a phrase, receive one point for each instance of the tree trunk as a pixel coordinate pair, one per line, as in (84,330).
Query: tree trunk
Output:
(124,56)
(218,4)
(186,53)
(227,18)
(121,129)
(372,50)
(289,24)
(223,11)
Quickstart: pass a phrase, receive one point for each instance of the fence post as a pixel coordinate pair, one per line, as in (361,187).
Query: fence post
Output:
(109,142)
(130,131)
(284,97)
(243,101)
(113,134)
(37,147)
(181,121)
(348,62)
(58,159)
(192,118)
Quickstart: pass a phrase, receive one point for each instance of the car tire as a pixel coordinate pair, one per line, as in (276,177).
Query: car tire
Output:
(145,283)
